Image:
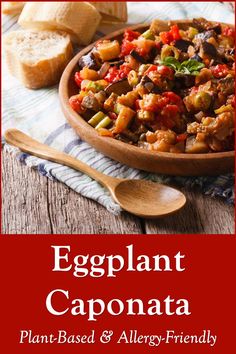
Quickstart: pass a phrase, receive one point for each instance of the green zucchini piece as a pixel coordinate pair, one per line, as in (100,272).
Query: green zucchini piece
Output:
(96,118)
(148,35)
(104,123)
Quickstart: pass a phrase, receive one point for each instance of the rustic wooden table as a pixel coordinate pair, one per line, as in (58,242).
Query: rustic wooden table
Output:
(33,204)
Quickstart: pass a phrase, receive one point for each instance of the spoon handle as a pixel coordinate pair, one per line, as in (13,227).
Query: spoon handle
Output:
(27,144)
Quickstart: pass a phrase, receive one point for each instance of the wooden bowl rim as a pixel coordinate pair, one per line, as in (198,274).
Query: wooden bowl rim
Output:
(90,131)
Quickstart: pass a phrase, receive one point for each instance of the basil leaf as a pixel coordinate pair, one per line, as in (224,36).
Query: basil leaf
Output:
(172,62)
(192,65)
(187,67)
(184,70)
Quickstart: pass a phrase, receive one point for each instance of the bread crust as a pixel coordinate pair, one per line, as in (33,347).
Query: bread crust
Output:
(79,19)
(41,73)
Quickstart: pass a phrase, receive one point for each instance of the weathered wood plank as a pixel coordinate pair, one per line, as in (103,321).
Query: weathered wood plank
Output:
(34,204)
(72,213)
(24,198)
(201,215)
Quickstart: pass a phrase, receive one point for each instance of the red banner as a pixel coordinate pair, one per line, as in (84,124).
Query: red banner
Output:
(118,294)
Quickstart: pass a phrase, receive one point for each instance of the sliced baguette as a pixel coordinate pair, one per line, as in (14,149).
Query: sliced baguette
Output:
(12,8)
(79,19)
(36,58)
(112,11)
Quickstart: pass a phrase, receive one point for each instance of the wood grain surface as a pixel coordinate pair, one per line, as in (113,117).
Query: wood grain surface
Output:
(138,197)
(37,205)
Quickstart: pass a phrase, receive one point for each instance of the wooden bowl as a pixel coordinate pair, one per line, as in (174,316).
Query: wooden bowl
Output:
(157,162)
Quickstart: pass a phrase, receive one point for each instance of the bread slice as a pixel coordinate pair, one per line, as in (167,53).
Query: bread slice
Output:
(12,8)
(37,58)
(79,19)
(112,11)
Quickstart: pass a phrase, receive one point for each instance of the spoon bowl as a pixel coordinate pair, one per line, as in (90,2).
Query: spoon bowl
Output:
(140,197)
(148,199)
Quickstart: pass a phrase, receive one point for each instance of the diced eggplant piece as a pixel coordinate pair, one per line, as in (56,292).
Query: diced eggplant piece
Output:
(217,28)
(184,80)
(203,36)
(226,85)
(196,57)
(141,129)
(121,137)
(156,89)
(153,53)
(133,137)
(209,50)
(199,23)
(119,87)
(116,63)
(137,56)
(182,44)
(100,96)
(91,102)
(203,25)
(88,114)
(232,51)
(229,55)
(195,147)
(90,61)
(149,85)
(104,69)
(198,116)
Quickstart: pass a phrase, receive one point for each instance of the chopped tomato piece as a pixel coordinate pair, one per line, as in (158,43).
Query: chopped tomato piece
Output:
(130,35)
(220,70)
(75,103)
(124,71)
(126,48)
(158,45)
(233,101)
(114,74)
(151,68)
(78,78)
(174,99)
(153,104)
(170,110)
(172,35)
(166,71)
(174,30)
(169,114)
(181,137)
(137,104)
(142,51)
(166,37)
(112,115)
(163,101)
(228,31)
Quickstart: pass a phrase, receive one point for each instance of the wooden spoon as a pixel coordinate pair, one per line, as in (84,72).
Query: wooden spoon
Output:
(140,197)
